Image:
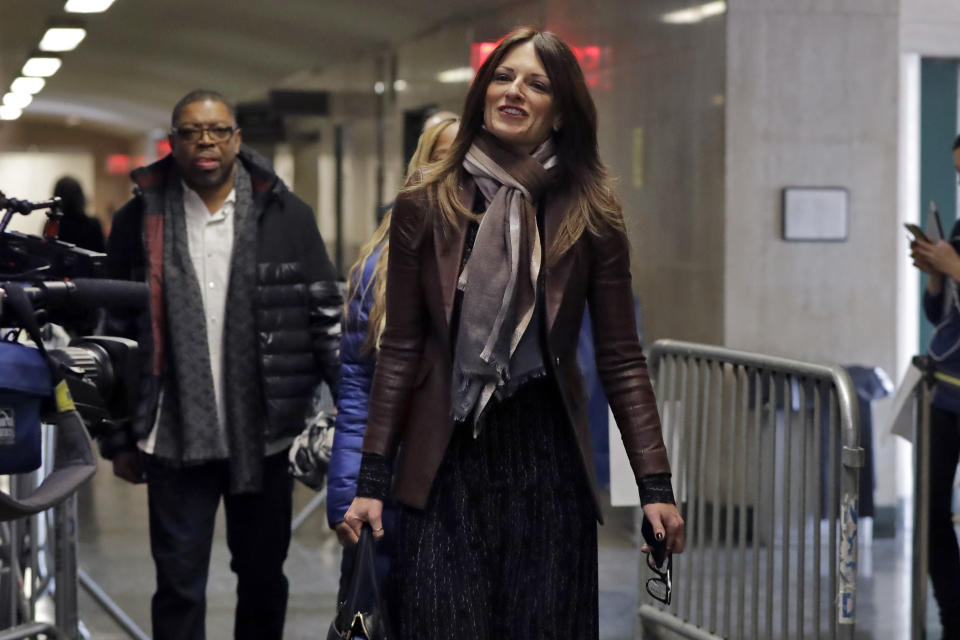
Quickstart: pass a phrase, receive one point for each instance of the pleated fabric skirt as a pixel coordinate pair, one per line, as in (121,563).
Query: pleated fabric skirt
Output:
(507,547)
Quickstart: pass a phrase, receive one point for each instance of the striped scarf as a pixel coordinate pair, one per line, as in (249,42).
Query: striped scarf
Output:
(499,280)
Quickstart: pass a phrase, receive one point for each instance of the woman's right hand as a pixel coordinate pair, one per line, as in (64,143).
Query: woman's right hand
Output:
(365,510)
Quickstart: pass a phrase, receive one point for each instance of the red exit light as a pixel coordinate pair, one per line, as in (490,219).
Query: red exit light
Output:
(480,51)
(589,56)
(120,164)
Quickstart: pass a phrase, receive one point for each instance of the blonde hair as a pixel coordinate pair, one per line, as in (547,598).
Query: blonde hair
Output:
(595,203)
(380,241)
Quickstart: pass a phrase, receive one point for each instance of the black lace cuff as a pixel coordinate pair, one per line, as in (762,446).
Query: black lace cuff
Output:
(656,488)
(373,480)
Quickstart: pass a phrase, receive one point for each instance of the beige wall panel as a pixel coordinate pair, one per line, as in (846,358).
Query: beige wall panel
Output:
(812,102)
(930,27)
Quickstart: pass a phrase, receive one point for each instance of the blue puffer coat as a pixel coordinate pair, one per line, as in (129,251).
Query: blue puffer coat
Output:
(356,375)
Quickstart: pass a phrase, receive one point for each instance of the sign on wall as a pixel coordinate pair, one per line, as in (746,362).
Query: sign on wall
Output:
(815,214)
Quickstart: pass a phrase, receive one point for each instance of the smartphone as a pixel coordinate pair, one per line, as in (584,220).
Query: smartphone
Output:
(658,548)
(917,232)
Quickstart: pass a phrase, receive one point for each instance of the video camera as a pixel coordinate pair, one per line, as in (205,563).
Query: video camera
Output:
(66,284)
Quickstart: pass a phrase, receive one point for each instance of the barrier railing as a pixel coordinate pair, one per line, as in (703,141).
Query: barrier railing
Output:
(921,499)
(766,460)
(923,401)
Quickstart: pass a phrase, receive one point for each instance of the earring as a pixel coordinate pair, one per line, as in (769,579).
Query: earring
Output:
(556,126)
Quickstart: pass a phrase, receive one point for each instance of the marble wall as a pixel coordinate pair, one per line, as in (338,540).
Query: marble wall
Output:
(930,27)
(812,101)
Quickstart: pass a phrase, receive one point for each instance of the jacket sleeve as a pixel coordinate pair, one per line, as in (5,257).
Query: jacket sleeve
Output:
(356,374)
(324,297)
(622,367)
(933,306)
(122,247)
(124,243)
(401,346)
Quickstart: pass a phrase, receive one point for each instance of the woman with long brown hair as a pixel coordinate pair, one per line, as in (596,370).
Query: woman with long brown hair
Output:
(477,422)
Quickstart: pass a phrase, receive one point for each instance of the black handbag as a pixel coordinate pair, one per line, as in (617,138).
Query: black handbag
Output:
(362,613)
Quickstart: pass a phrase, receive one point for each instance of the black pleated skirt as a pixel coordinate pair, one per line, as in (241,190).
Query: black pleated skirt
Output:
(507,547)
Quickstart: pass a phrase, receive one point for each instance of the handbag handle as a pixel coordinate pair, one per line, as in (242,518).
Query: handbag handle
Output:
(362,588)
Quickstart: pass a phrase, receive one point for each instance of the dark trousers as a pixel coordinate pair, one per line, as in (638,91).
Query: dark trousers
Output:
(183,505)
(944,565)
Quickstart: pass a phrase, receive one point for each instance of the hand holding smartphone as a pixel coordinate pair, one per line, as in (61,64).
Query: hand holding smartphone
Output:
(917,232)
(934,232)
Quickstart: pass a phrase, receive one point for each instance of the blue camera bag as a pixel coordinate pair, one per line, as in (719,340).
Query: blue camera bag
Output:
(24,384)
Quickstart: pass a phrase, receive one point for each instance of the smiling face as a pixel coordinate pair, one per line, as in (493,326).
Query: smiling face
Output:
(205,163)
(518,108)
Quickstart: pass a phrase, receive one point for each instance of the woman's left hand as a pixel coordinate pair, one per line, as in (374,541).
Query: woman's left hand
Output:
(667,522)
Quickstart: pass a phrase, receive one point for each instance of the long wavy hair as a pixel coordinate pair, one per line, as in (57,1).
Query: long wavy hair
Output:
(595,202)
(380,241)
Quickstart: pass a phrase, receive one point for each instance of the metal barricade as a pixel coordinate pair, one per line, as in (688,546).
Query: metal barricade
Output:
(921,499)
(923,394)
(766,460)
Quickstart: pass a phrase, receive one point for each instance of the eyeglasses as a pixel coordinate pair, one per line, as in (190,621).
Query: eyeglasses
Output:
(218,133)
(661,586)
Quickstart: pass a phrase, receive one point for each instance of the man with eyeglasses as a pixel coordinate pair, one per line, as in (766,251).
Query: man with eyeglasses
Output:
(244,321)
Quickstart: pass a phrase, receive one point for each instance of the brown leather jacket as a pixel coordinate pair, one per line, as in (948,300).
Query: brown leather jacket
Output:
(410,398)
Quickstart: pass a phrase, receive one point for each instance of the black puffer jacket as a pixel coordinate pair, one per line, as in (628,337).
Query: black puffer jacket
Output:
(298,300)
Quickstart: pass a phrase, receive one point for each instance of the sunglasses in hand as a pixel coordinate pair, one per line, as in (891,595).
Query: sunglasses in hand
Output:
(660,586)
(660,562)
